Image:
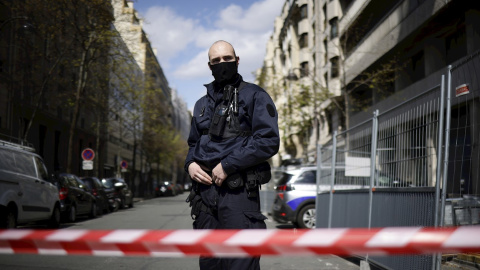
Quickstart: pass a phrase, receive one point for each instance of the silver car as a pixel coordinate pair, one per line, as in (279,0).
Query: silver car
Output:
(26,195)
(295,197)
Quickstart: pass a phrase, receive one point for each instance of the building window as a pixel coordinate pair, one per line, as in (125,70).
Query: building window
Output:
(324,16)
(304,69)
(325,46)
(418,66)
(303,12)
(333,28)
(334,67)
(303,41)
(325,77)
(314,36)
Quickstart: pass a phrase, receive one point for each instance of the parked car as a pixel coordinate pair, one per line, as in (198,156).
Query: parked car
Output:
(179,189)
(296,191)
(165,189)
(98,190)
(295,198)
(187,186)
(75,197)
(26,195)
(121,191)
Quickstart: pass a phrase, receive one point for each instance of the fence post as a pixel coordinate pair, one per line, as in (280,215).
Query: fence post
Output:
(439,150)
(332,178)
(373,155)
(437,257)
(447,145)
(319,177)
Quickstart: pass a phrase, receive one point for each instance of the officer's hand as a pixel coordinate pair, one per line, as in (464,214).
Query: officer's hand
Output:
(218,175)
(197,174)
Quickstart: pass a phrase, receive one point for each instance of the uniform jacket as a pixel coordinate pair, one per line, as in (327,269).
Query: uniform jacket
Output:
(256,113)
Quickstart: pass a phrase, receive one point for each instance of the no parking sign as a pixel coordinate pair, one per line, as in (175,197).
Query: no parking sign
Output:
(88,154)
(124,166)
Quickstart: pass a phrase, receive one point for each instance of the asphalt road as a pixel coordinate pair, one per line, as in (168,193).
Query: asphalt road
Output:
(158,213)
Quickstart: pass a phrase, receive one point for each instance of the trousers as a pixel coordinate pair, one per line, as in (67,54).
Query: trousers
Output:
(230,209)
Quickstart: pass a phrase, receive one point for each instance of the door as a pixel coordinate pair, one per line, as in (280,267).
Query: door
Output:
(32,205)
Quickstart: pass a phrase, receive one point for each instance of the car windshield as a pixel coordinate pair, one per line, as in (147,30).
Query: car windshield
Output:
(284,178)
(88,182)
(308,177)
(108,183)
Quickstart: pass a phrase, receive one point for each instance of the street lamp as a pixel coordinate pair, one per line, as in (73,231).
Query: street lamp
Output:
(12,19)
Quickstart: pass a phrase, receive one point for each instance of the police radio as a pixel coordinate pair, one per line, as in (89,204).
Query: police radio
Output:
(224,110)
(219,120)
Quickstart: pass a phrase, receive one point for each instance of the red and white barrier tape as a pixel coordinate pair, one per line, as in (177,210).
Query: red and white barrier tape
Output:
(242,243)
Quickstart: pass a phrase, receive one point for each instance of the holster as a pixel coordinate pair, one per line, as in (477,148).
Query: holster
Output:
(196,203)
(235,180)
(251,178)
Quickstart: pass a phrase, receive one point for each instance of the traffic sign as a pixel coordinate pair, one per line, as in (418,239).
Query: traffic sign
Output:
(124,164)
(88,154)
(87,165)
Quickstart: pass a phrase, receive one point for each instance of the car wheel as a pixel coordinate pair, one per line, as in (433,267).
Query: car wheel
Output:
(93,211)
(116,206)
(123,204)
(306,217)
(8,219)
(106,207)
(131,204)
(54,221)
(72,215)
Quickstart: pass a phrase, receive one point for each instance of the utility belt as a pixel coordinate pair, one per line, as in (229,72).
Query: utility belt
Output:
(251,178)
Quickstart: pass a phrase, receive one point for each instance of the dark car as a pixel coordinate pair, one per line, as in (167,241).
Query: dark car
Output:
(165,189)
(75,197)
(121,191)
(179,189)
(98,190)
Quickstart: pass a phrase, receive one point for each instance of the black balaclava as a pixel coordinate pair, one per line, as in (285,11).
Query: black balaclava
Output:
(225,72)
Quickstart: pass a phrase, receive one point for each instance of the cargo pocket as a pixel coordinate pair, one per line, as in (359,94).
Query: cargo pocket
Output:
(254,220)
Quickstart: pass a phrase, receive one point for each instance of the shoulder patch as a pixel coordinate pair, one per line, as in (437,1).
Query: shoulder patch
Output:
(271,110)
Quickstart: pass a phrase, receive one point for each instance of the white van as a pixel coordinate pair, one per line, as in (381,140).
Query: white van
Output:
(26,195)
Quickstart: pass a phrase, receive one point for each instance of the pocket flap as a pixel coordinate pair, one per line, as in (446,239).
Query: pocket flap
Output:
(254,215)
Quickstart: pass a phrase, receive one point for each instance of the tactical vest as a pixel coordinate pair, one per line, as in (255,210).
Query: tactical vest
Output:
(224,122)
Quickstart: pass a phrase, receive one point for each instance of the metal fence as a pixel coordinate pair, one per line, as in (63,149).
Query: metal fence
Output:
(415,164)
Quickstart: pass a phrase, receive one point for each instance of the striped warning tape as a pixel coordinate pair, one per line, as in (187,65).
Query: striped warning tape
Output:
(242,243)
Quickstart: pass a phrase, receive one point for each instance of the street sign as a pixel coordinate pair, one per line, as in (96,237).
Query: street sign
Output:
(124,164)
(88,154)
(87,165)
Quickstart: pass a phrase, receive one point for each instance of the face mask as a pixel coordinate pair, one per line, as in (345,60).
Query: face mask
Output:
(224,72)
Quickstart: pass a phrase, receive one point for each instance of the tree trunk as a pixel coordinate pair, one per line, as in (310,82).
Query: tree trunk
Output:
(80,86)
(40,95)
(96,164)
(134,161)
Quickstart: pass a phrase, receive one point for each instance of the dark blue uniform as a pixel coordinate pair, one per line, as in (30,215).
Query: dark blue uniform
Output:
(232,208)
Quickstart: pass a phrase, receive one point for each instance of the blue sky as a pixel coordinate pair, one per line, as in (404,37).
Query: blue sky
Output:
(182,31)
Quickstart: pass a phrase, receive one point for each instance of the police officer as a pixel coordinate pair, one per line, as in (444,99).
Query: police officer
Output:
(234,131)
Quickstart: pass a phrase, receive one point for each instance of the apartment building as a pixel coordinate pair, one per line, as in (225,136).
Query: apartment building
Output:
(350,57)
